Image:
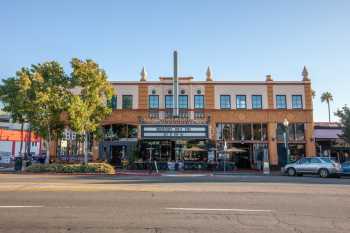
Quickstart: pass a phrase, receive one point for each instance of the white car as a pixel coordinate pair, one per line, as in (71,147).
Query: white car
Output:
(322,166)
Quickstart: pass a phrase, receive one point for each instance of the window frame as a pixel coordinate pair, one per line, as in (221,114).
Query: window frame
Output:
(285,102)
(180,101)
(301,102)
(132,101)
(238,106)
(171,102)
(149,101)
(194,101)
(260,107)
(229,102)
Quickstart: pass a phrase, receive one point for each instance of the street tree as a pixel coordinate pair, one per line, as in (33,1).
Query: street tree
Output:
(47,88)
(15,100)
(344,115)
(327,97)
(88,108)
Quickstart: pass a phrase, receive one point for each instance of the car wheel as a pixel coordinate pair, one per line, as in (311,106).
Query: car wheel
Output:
(291,172)
(324,173)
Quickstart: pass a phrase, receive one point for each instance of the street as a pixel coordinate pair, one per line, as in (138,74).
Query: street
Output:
(48,203)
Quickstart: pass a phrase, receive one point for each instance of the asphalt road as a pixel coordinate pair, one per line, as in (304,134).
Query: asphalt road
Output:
(44,203)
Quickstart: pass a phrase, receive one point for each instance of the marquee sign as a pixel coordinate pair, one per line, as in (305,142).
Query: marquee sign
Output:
(152,131)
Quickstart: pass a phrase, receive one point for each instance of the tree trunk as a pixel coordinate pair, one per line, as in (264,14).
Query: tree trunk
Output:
(329,112)
(21,145)
(85,148)
(47,160)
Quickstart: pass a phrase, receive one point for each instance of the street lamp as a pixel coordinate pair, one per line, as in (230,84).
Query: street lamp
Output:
(285,136)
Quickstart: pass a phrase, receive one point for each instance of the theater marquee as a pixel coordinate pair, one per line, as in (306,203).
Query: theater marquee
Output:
(150,131)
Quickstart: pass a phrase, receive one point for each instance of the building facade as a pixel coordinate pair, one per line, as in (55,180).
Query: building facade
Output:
(179,119)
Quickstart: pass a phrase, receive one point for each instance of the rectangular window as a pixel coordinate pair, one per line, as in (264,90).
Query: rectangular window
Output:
(241,102)
(114,102)
(297,102)
(225,101)
(183,101)
(153,101)
(168,101)
(256,102)
(281,102)
(127,102)
(199,101)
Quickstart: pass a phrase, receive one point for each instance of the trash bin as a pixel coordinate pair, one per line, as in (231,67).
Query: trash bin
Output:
(18,164)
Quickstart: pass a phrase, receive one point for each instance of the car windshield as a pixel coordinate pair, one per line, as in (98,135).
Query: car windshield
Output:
(327,160)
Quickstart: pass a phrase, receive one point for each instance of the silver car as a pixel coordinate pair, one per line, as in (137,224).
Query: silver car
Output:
(313,165)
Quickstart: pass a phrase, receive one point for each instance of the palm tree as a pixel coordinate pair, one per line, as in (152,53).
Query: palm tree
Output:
(327,97)
(313,93)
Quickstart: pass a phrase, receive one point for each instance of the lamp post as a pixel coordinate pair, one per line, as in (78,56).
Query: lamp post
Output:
(286,136)
(225,151)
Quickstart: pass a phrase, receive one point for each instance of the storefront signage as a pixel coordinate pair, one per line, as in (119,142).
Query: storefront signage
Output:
(174,131)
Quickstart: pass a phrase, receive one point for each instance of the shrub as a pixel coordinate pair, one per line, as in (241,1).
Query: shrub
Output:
(72,168)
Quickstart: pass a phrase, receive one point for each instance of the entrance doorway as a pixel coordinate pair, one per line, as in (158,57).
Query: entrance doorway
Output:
(116,155)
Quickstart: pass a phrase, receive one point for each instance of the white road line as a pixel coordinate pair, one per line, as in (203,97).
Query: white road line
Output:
(21,206)
(206,209)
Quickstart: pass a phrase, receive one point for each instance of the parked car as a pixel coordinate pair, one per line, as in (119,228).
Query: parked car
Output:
(345,168)
(322,166)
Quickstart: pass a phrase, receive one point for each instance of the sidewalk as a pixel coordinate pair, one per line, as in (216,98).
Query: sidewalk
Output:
(194,173)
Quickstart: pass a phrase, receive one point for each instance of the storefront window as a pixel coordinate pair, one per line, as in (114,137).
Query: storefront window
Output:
(225,101)
(227,132)
(280,131)
(281,102)
(238,132)
(299,131)
(241,102)
(127,102)
(256,101)
(247,132)
(257,132)
(153,101)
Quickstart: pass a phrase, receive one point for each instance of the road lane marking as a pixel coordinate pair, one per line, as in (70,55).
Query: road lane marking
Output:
(207,209)
(21,206)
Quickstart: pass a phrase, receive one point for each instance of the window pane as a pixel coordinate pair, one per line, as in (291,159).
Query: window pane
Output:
(183,101)
(168,101)
(153,101)
(226,132)
(256,101)
(281,101)
(299,131)
(291,131)
(225,101)
(241,101)
(247,132)
(127,101)
(280,131)
(114,102)
(297,101)
(264,131)
(199,101)
(257,134)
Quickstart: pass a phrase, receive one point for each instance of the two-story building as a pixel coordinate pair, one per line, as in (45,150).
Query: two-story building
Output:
(177,119)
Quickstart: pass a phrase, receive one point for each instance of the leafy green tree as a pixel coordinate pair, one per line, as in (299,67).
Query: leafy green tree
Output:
(344,115)
(87,108)
(327,97)
(15,100)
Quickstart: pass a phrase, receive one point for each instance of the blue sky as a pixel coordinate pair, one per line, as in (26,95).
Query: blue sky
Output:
(240,40)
